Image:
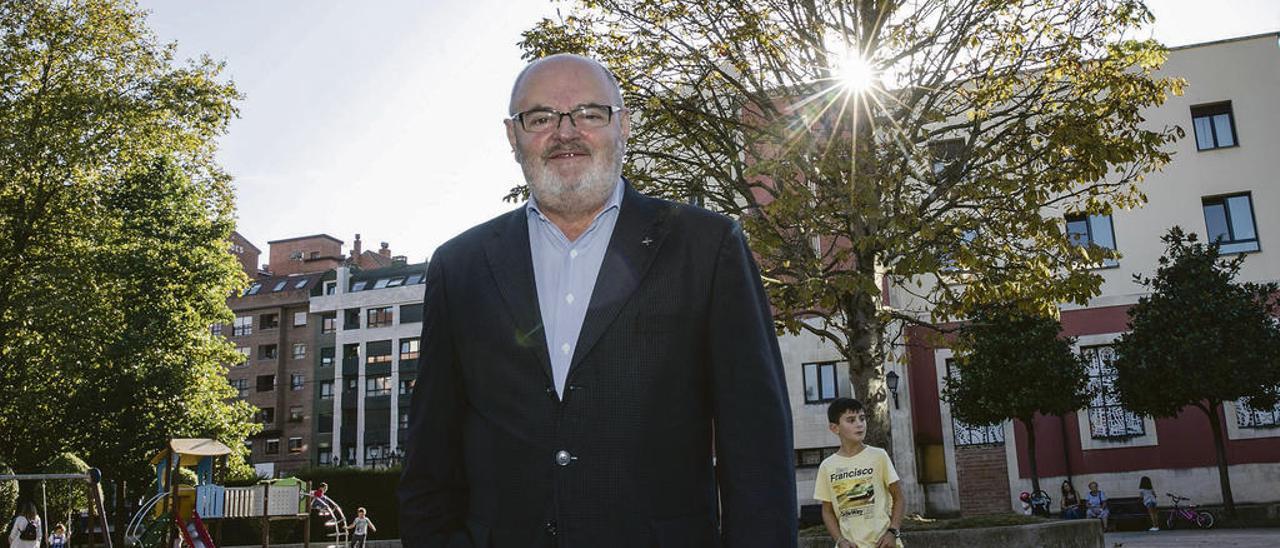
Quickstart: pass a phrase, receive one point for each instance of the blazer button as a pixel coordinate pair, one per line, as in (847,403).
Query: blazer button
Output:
(550,528)
(563,458)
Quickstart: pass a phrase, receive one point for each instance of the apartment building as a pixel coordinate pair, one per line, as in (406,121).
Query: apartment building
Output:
(372,321)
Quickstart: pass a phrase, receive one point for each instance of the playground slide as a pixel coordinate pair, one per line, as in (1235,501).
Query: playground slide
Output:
(194,533)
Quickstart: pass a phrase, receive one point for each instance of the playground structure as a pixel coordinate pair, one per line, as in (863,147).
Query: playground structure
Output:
(185,509)
(93,479)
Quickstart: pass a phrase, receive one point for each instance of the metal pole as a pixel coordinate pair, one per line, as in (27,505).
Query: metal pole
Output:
(95,479)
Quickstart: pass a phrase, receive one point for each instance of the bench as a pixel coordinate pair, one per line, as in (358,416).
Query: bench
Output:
(1127,510)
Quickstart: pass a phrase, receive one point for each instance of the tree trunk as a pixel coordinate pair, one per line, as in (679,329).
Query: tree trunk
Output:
(1030,425)
(866,371)
(1220,447)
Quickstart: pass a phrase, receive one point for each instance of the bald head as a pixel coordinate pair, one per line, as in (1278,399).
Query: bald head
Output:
(561,63)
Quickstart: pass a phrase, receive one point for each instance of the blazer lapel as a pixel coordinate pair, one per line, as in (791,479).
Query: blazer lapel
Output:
(636,239)
(511,262)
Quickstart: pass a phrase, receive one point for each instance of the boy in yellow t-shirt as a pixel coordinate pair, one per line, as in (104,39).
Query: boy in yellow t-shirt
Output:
(858,485)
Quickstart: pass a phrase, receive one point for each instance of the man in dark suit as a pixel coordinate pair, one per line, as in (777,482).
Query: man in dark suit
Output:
(599,367)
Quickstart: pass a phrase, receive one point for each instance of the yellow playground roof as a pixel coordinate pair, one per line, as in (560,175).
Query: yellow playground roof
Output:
(194,448)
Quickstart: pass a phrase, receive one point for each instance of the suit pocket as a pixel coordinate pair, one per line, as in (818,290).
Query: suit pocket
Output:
(695,531)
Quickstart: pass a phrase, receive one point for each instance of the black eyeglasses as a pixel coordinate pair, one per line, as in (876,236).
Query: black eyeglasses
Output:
(542,120)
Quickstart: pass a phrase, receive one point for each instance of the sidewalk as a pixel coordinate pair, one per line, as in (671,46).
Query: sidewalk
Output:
(1239,538)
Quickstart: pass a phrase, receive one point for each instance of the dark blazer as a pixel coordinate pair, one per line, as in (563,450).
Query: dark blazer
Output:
(677,355)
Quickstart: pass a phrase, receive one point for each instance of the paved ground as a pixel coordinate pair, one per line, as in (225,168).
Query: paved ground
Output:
(1239,538)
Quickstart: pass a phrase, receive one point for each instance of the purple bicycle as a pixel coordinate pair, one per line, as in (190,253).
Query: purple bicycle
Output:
(1201,518)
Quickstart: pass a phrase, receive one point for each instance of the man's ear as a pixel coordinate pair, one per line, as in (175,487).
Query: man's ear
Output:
(511,134)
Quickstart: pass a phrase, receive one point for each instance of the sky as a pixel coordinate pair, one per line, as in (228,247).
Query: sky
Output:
(384,118)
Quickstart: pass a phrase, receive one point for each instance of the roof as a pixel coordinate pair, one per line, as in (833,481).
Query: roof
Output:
(282,284)
(313,236)
(191,450)
(1272,34)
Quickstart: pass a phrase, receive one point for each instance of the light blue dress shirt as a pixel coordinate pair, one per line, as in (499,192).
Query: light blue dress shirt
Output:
(565,273)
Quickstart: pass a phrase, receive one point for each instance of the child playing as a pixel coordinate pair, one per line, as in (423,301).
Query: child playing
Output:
(854,482)
(362,527)
(1149,500)
(59,538)
(319,501)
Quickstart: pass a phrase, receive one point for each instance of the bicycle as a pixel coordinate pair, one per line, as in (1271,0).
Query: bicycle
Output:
(1201,518)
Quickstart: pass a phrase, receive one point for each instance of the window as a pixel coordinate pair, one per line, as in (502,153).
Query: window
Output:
(413,279)
(295,445)
(299,319)
(1229,221)
(379,317)
(352,383)
(267,352)
(301,284)
(1252,417)
(378,352)
(246,351)
(811,458)
(409,349)
(267,415)
(410,313)
(1215,126)
(1107,418)
(299,351)
(273,446)
(241,386)
(295,413)
(330,288)
(378,385)
(965,434)
(326,390)
(351,454)
(396,282)
(326,356)
(216,329)
(297,381)
(328,322)
(351,319)
(406,387)
(266,383)
(324,456)
(269,321)
(381,283)
(280,285)
(324,423)
(819,382)
(1095,230)
(243,326)
(404,418)
(358,286)
(253,289)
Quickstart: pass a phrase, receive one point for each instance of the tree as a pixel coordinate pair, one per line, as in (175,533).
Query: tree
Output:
(1200,339)
(1013,365)
(114,225)
(948,177)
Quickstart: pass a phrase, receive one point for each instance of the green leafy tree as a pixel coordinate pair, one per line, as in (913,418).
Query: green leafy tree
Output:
(8,496)
(114,225)
(1200,339)
(1013,365)
(948,177)
(62,497)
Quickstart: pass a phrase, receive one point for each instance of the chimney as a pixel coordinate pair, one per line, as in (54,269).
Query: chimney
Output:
(355,249)
(386,250)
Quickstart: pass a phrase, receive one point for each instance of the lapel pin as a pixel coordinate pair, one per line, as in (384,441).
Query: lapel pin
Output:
(646,241)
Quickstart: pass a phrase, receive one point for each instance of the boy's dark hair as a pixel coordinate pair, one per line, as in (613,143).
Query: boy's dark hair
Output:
(839,406)
(1144,483)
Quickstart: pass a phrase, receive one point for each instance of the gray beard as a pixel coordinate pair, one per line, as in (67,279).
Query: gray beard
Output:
(574,197)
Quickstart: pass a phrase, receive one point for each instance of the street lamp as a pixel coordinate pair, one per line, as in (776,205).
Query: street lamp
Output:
(891,380)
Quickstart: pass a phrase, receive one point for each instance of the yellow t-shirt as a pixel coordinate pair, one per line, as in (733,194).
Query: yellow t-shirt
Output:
(858,489)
